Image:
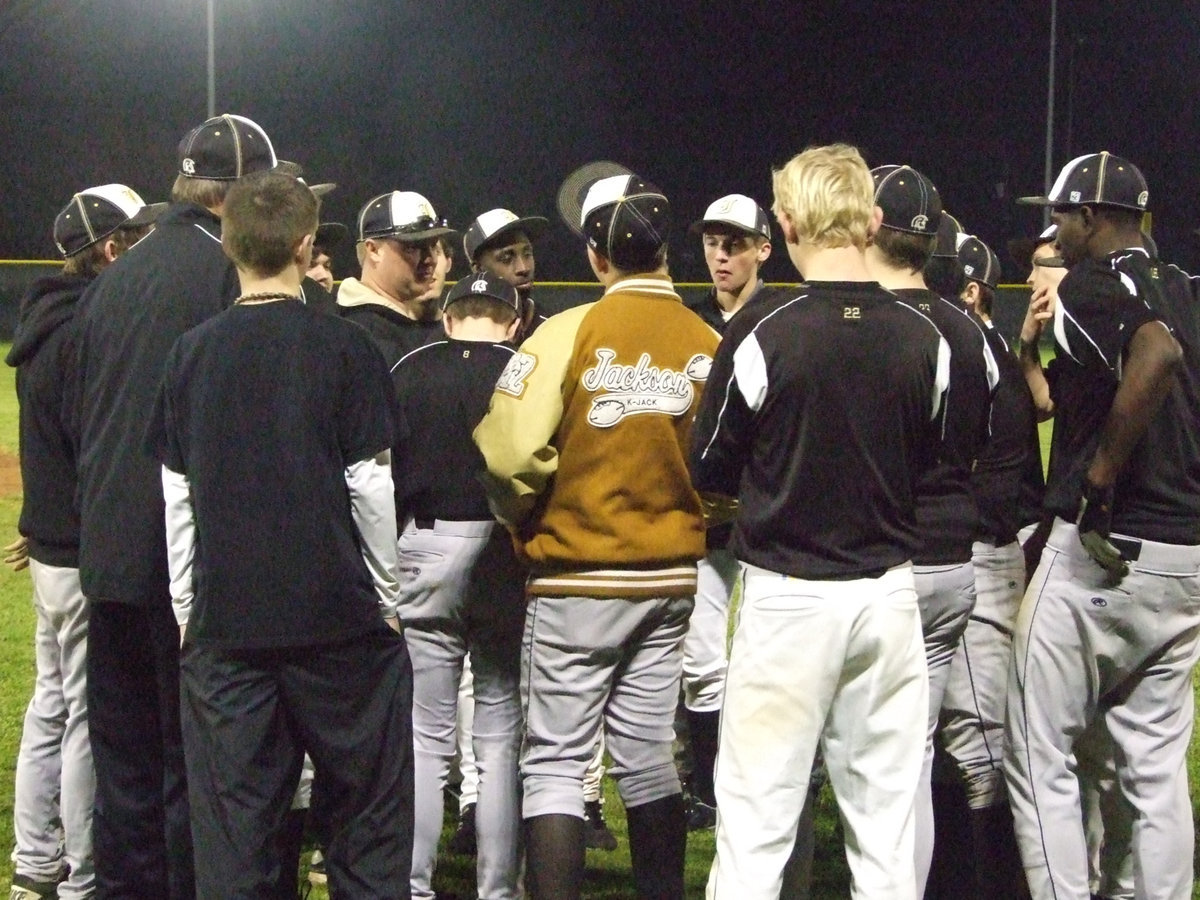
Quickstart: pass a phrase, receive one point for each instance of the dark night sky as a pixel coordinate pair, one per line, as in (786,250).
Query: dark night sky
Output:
(489,104)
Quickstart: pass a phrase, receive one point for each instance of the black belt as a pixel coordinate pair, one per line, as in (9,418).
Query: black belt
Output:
(424,524)
(1130,548)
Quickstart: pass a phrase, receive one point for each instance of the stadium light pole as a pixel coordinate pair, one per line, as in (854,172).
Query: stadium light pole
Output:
(1049,110)
(212,68)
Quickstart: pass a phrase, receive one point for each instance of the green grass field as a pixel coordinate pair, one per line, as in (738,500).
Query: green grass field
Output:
(607,873)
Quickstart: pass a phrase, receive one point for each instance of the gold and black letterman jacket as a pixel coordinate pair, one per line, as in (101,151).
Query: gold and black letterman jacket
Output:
(586,444)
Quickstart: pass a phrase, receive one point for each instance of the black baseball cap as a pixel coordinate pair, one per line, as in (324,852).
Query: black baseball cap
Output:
(1096,179)
(404,215)
(949,228)
(491,227)
(736,211)
(94,214)
(484,284)
(909,201)
(1021,248)
(330,234)
(977,261)
(225,148)
(620,215)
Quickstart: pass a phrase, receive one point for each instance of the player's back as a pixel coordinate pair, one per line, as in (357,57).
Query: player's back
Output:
(129,318)
(442,392)
(830,406)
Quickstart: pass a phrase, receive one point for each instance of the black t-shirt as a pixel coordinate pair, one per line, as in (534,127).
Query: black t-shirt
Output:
(1102,303)
(819,415)
(442,391)
(946,515)
(128,320)
(263,408)
(1007,480)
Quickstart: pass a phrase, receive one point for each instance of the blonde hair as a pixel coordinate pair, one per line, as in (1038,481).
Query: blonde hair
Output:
(828,195)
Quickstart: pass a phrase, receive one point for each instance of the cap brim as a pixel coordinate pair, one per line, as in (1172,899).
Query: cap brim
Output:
(574,189)
(320,190)
(532,226)
(697,227)
(412,236)
(1041,201)
(330,234)
(147,215)
(1050,262)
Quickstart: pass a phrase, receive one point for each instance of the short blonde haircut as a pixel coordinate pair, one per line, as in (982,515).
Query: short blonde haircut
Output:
(828,194)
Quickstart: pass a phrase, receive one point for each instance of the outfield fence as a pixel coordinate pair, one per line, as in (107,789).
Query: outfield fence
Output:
(552,296)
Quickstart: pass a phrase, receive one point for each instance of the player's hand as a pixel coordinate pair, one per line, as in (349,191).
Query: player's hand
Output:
(1040,311)
(16,554)
(1095,523)
(718,509)
(393,622)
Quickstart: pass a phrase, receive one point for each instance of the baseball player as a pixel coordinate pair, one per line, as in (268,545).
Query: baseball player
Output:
(1107,631)
(128,319)
(462,588)
(501,242)
(972,713)
(55,783)
(398,248)
(329,235)
(829,611)
(945,510)
(281,540)
(585,446)
(736,237)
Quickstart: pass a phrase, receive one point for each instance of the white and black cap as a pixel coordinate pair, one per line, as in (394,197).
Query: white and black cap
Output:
(97,212)
(1096,179)
(225,148)
(909,200)
(620,215)
(977,261)
(404,215)
(491,227)
(736,211)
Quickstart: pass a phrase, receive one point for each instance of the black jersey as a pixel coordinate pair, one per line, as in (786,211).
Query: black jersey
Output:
(947,518)
(1101,304)
(1008,468)
(43,351)
(819,415)
(129,318)
(711,312)
(442,392)
(263,408)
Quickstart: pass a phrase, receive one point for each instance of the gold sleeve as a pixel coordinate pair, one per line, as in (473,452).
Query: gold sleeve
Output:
(516,435)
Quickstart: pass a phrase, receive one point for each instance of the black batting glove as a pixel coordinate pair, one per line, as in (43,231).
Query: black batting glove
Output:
(1095,523)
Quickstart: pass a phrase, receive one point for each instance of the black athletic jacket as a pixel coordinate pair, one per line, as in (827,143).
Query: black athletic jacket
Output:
(819,415)
(1009,465)
(43,352)
(129,318)
(946,515)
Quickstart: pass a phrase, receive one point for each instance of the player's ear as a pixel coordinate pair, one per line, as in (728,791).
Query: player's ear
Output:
(448,324)
(303,253)
(514,328)
(876,221)
(764,252)
(111,252)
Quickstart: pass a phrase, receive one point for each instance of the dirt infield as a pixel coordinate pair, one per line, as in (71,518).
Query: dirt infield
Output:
(10,474)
